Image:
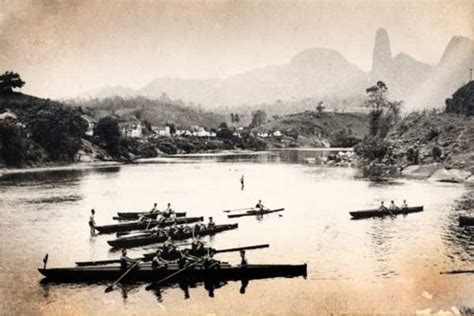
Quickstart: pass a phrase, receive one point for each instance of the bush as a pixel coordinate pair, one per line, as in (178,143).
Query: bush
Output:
(436,152)
(168,148)
(373,148)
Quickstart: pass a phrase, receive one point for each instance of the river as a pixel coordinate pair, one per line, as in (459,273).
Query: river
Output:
(388,265)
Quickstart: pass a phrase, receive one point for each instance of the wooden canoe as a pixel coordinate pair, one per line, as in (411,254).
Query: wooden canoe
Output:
(145,272)
(378,213)
(135,215)
(106,229)
(255,213)
(466,220)
(149,239)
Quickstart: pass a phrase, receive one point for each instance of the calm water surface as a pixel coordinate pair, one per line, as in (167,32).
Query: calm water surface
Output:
(374,265)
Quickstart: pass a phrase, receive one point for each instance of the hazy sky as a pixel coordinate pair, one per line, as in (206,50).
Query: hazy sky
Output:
(62,48)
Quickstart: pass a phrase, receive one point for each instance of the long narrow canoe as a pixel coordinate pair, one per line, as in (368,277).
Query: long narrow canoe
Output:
(255,213)
(378,213)
(466,220)
(136,215)
(143,225)
(148,239)
(144,272)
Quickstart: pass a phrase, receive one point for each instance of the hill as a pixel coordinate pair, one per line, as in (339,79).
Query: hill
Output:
(323,74)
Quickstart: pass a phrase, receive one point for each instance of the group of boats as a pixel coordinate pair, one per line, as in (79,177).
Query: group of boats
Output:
(137,229)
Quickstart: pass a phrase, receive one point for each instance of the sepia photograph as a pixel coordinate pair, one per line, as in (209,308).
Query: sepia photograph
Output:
(236,157)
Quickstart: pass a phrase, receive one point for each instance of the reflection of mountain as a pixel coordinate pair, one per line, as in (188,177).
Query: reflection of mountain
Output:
(323,73)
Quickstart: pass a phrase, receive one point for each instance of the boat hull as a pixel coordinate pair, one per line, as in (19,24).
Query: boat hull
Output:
(107,229)
(466,221)
(377,213)
(136,215)
(148,239)
(255,213)
(144,272)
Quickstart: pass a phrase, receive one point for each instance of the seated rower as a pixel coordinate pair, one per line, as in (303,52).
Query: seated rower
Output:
(125,261)
(157,261)
(209,262)
(260,205)
(392,206)
(197,248)
(187,229)
(154,210)
(243,260)
(171,253)
(404,204)
(167,211)
(160,219)
(174,230)
(167,242)
(382,207)
(211,223)
(172,217)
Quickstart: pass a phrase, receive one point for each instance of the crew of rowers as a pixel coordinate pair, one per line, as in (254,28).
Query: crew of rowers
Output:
(393,206)
(176,230)
(169,253)
(167,214)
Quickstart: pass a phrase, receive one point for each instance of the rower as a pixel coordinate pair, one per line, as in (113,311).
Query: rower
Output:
(154,210)
(157,261)
(160,218)
(392,206)
(174,230)
(187,229)
(260,206)
(92,222)
(211,223)
(167,242)
(404,204)
(209,262)
(243,260)
(167,212)
(382,207)
(172,216)
(125,260)
(197,247)
(171,253)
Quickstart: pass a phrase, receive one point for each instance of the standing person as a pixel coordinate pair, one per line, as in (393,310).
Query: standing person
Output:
(92,222)
(242,182)
(243,260)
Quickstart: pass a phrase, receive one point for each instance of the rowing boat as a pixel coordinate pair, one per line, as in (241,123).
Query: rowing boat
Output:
(159,237)
(136,215)
(379,213)
(145,272)
(255,213)
(466,220)
(144,224)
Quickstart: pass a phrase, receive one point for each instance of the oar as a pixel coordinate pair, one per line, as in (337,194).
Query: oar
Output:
(151,286)
(457,272)
(238,209)
(111,287)
(242,248)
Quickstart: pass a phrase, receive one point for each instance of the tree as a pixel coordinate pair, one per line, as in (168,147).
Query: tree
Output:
(259,118)
(10,80)
(383,114)
(107,131)
(59,130)
(320,107)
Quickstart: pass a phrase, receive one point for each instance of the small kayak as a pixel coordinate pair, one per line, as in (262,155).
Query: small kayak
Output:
(255,213)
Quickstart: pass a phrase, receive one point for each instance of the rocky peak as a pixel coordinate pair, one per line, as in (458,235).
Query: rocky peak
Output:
(382,56)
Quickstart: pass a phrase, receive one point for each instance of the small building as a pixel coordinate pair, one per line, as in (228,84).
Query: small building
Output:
(277,133)
(133,130)
(162,131)
(90,124)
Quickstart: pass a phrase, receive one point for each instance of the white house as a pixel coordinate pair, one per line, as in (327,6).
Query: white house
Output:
(277,133)
(90,124)
(133,130)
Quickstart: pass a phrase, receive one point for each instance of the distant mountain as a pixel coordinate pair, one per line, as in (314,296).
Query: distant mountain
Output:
(111,91)
(323,73)
(312,72)
(446,77)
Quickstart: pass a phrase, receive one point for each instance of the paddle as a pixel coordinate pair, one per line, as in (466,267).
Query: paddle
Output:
(111,287)
(238,209)
(151,286)
(457,272)
(242,248)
